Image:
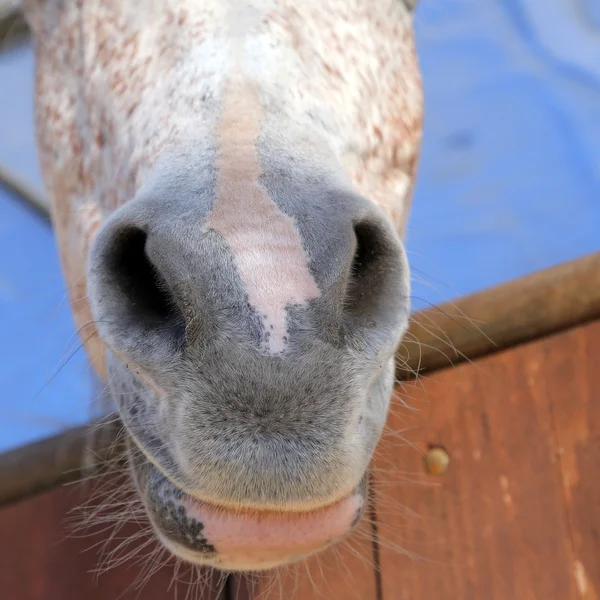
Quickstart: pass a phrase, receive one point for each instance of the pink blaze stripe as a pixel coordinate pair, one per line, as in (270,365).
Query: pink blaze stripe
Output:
(265,242)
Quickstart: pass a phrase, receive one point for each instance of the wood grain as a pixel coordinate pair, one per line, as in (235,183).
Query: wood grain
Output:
(517,515)
(575,403)
(40,560)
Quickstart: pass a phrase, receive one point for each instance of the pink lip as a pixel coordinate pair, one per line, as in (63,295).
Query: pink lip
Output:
(251,539)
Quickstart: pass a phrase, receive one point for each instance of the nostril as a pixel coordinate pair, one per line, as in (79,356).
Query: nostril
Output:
(137,278)
(369,250)
(133,301)
(378,280)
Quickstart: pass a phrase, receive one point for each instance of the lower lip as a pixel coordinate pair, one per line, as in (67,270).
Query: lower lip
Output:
(263,538)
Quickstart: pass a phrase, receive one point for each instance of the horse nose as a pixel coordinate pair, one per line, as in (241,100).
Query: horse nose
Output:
(158,275)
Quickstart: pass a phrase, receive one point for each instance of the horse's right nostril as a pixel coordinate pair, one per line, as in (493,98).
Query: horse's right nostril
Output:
(130,296)
(138,279)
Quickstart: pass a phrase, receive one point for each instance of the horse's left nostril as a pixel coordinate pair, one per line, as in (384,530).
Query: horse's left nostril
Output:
(377,289)
(370,248)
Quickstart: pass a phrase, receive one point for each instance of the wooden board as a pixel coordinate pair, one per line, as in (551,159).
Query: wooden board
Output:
(41,559)
(576,416)
(522,429)
(517,514)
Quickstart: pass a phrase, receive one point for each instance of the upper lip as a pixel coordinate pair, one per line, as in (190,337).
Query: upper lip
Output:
(303,507)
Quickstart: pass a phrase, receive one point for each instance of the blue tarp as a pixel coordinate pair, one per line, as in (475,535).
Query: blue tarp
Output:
(509,183)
